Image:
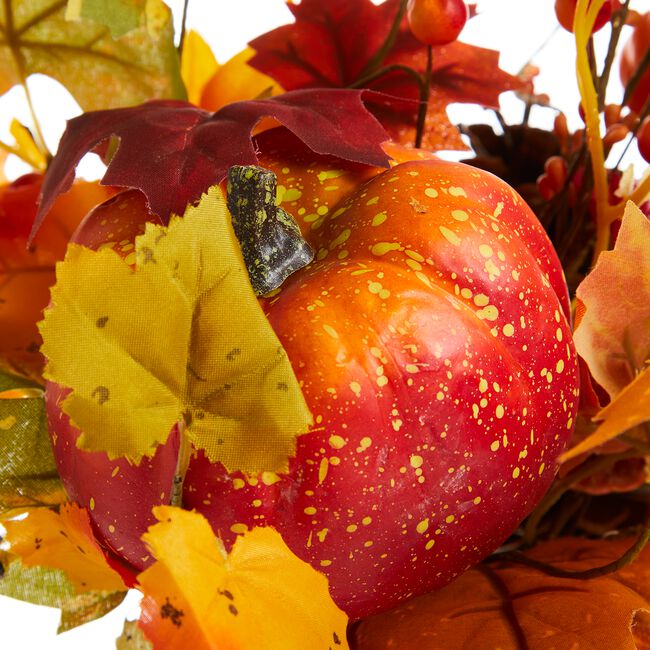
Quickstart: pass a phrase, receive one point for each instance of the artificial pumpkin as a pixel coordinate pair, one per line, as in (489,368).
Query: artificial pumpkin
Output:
(431,340)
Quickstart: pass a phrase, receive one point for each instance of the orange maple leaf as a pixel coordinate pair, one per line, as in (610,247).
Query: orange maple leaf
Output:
(64,541)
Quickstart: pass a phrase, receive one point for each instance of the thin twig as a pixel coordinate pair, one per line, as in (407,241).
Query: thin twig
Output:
(181,40)
(595,572)
(425,87)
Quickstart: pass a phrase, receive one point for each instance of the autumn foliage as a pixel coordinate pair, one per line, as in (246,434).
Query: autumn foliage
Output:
(296,379)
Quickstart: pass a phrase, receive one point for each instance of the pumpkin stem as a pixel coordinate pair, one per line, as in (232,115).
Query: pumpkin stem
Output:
(270,238)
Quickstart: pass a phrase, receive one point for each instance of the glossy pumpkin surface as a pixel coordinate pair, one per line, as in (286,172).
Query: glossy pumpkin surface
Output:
(431,341)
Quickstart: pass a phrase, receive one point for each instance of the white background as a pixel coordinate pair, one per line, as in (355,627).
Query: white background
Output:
(518,28)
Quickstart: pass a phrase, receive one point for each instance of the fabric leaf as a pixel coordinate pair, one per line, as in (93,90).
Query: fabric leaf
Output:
(62,540)
(331,44)
(121,16)
(628,409)
(173,151)
(51,587)
(514,606)
(236,81)
(613,335)
(181,338)
(37,38)
(198,64)
(259,596)
(28,474)
(132,638)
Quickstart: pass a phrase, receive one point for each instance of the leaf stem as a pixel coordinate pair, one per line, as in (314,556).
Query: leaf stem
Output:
(425,86)
(395,67)
(182,463)
(377,59)
(588,468)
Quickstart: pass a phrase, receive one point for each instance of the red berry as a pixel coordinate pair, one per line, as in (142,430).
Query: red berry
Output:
(565,11)
(436,22)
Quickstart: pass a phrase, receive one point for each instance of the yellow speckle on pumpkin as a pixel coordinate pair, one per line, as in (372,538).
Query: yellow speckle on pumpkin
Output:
(239,529)
(449,235)
(383,247)
(331,331)
(322,469)
(337,442)
(379,218)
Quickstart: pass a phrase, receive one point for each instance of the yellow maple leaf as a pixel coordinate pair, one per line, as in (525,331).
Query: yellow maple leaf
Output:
(182,338)
(628,409)
(259,596)
(198,64)
(65,541)
(236,81)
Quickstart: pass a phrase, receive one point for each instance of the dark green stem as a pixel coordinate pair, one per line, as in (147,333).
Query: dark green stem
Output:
(636,77)
(378,58)
(617,25)
(425,87)
(271,242)
(362,82)
(181,40)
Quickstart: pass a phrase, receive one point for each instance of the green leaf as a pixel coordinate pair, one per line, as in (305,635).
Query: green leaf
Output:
(133,638)
(28,474)
(51,588)
(182,338)
(120,16)
(98,70)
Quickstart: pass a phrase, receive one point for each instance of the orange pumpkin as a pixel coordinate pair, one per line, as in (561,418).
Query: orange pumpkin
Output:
(431,340)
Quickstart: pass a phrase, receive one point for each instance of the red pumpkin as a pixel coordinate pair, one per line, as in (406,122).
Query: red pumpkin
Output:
(431,339)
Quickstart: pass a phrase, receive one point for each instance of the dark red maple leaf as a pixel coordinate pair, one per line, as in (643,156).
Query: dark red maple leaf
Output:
(333,42)
(174,151)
